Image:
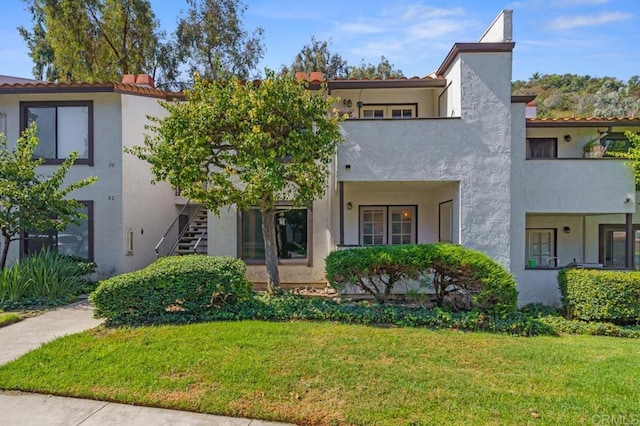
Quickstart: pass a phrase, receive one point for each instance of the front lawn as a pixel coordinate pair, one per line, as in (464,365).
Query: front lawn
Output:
(327,373)
(7,318)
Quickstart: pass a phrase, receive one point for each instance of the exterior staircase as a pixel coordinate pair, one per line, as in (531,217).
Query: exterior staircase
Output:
(194,237)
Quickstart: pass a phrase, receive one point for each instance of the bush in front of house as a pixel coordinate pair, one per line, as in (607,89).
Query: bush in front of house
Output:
(174,289)
(43,278)
(463,279)
(596,295)
(291,307)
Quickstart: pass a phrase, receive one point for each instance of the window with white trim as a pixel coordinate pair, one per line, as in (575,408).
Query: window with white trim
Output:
(388,111)
(387,225)
(540,246)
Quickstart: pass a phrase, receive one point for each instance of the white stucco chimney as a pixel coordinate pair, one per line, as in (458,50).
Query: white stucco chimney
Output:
(500,30)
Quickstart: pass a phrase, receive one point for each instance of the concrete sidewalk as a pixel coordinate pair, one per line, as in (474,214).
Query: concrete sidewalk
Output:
(25,409)
(28,334)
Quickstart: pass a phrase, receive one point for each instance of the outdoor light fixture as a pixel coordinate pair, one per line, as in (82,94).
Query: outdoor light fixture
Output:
(282,221)
(567,138)
(349,205)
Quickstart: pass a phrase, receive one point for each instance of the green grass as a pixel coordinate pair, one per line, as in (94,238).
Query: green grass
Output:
(326,373)
(7,318)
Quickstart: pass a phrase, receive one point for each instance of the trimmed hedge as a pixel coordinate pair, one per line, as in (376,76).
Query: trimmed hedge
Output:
(457,271)
(595,295)
(172,289)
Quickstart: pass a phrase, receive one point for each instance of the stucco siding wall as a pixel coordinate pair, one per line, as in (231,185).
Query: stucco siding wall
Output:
(147,209)
(106,194)
(426,99)
(223,241)
(425,196)
(450,102)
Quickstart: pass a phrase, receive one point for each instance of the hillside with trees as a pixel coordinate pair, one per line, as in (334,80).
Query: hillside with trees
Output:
(572,95)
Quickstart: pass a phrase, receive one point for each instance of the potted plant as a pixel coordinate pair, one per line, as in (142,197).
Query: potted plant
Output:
(593,149)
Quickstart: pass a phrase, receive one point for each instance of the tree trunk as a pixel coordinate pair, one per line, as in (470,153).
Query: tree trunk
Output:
(5,251)
(270,250)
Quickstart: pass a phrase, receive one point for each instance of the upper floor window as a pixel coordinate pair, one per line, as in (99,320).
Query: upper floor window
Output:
(616,142)
(375,111)
(542,148)
(63,127)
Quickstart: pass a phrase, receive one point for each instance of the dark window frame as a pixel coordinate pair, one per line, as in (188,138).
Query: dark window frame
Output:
(603,228)
(24,117)
(283,206)
(24,243)
(554,148)
(387,207)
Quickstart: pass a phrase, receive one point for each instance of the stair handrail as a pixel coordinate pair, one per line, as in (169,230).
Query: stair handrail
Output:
(195,246)
(183,230)
(173,224)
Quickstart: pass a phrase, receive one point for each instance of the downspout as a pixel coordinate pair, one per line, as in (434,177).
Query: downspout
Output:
(341,188)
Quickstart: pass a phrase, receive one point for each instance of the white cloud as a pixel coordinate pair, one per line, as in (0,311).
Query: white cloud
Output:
(416,36)
(570,22)
(358,28)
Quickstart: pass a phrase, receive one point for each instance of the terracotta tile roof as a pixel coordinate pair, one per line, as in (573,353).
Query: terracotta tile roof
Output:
(115,87)
(583,121)
(403,82)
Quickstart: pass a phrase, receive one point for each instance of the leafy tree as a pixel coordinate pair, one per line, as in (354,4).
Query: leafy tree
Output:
(251,144)
(383,70)
(613,100)
(40,49)
(317,57)
(632,155)
(29,201)
(211,40)
(89,40)
(581,95)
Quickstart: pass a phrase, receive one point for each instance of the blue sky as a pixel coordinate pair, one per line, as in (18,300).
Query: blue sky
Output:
(595,37)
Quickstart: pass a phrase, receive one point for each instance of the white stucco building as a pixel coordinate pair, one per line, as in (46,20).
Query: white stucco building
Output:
(450,156)
(126,213)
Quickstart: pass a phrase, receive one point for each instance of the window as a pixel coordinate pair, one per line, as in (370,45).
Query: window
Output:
(387,225)
(75,240)
(373,111)
(63,127)
(613,248)
(541,245)
(445,232)
(542,148)
(616,142)
(293,234)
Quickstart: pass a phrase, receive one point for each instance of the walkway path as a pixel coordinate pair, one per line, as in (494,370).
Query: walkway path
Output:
(26,409)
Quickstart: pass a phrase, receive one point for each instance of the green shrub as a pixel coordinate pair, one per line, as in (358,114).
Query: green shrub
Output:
(288,307)
(463,279)
(173,289)
(43,275)
(595,295)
